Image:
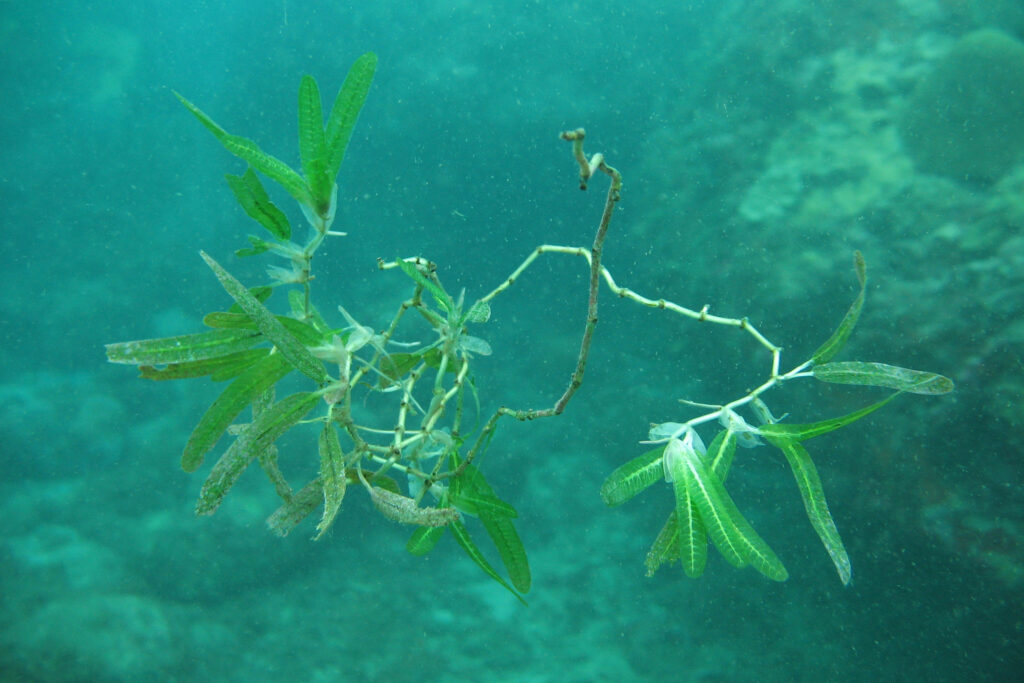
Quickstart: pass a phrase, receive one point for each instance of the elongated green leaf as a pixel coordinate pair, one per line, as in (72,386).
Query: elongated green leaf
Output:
(181,349)
(272,167)
(478,504)
(424,539)
(510,547)
(462,536)
(471,486)
(631,478)
(882,375)
(693,538)
(813,429)
(258,435)
(312,144)
(249,151)
(253,198)
(809,483)
(296,509)
(219,369)
(838,339)
(345,110)
(686,467)
(286,342)
(217,131)
(728,529)
(332,477)
(235,397)
(665,548)
(720,453)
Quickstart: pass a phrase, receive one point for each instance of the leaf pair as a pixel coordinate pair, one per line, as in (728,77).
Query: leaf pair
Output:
(471,494)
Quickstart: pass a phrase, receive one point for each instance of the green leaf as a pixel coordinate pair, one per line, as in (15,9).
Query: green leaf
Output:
(665,547)
(633,477)
(442,298)
(217,131)
(332,477)
(249,151)
(475,503)
(692,536)
(181,349)
(272,167)
(424,539)
(686,468)
(235,397)
(809,483)
(345,110)
(286,342)
(838,339)
(462,536)
(882,375)
(728,529)
(471,487)
(259,246)
(219,369)
(257,436)
(808,431)
(296,509)
(313,145)
(721,451)
(256,203)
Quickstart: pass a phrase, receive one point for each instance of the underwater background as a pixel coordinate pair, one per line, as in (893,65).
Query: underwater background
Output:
(761,143)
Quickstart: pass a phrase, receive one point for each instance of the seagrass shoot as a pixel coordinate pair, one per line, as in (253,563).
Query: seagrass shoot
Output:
(392,405)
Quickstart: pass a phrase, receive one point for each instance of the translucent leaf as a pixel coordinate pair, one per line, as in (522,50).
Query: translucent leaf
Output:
(424,539)
(345,110)
(811,491)
(286,342)
(258,435)
(462,536)
(633,477)
(476,345)
(232,401)
(256,203)
(882,375)
(332,477)
(807,431)
(181,349)
(838,339)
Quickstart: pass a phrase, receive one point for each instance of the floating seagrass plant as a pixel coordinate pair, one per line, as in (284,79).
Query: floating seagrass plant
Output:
(418,461)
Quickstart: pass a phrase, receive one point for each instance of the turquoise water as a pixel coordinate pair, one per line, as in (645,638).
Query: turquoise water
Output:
(761,143)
